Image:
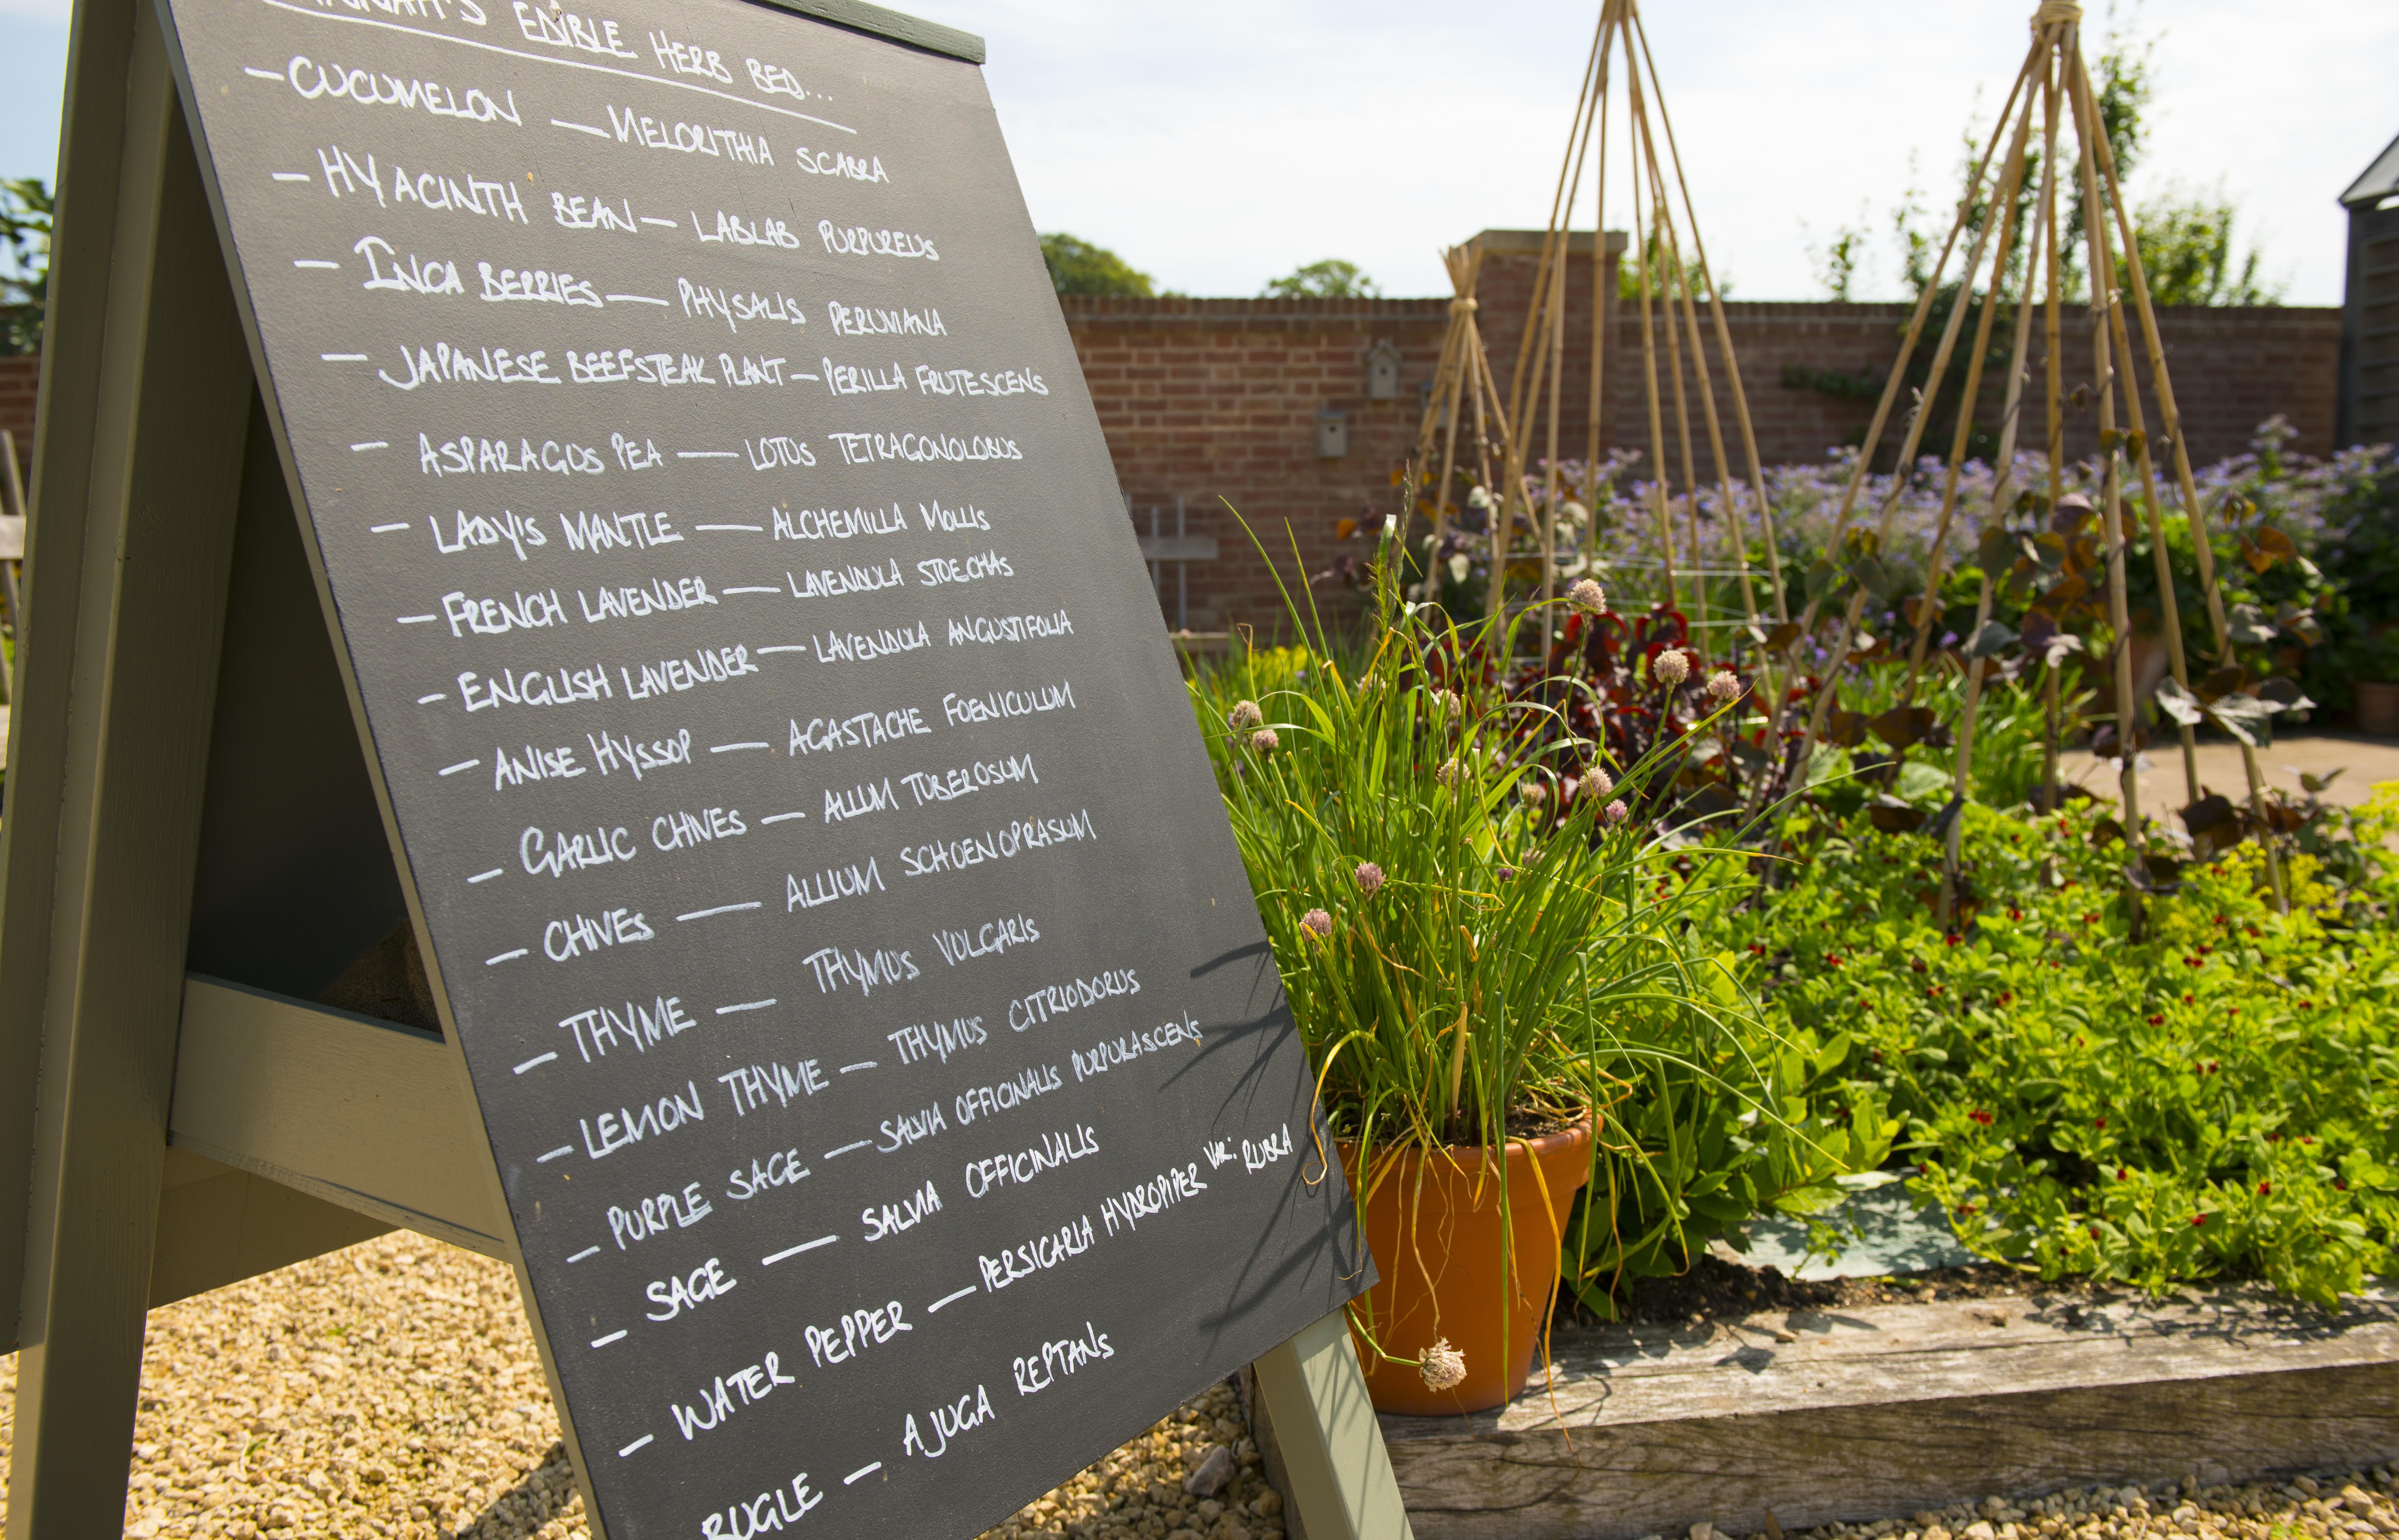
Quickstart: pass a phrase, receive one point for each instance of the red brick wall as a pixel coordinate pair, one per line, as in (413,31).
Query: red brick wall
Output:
(17,380)
(2232,368)
(1215,400)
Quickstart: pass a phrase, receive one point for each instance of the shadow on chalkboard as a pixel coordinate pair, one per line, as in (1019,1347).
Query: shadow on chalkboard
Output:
(295,885)
(1255,949)
(1332,1244)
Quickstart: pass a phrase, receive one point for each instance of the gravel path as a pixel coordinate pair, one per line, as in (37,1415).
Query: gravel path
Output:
(392,1390)
(2360,1502)
(2365,764)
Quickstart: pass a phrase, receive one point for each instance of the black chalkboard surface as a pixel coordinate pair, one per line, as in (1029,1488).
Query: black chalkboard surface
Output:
(891,1085)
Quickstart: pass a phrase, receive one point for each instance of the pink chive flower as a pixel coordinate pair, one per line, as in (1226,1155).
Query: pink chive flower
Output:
(1370,877)
(1265,741)
(1588,597)
(1595,783)
(1244,716)
(1670,669)
(1724,687)
(1317,923)
(1616,812)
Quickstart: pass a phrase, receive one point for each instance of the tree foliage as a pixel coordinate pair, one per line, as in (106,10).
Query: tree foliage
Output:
(1329,279)
(26,207)
(2187,253)
(1079,267)
(2185,241)
(1662,266)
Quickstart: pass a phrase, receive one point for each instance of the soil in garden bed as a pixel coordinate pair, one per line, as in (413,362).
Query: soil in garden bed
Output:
(1717,1290)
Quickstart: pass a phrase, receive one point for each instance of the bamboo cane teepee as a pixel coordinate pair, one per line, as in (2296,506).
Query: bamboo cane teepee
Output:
(1463,396)
(2054,86)
(1674,284)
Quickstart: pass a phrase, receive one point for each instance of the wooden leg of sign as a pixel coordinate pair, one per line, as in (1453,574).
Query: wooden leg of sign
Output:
(1332,1452)
(125,660)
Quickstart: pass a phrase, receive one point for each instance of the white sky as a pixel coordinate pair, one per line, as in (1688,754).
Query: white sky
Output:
(1217,146)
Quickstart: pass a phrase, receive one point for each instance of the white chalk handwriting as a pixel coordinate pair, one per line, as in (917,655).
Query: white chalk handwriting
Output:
(598,1029)
(863,971)
(1003,844)
(938,1040)
(653,1216)
(881,320)
(630,1125)
(841,163)
(1125,1048)
(1039,1370)
(469,454)
(992,938)
(883,1220)
(371,88)
(868,449)
(466,193)
(859,241)
(1053,999)
(443,364)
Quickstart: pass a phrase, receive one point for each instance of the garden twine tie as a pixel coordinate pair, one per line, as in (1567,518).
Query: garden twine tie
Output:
(2054,11)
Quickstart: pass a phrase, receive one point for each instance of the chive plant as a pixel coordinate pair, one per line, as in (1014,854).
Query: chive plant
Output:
(1470,925)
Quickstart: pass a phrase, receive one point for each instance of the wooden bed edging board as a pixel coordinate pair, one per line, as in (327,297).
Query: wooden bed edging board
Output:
(1882,1411)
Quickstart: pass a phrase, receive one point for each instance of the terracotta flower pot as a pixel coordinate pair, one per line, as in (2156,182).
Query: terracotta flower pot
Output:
(1435,1226)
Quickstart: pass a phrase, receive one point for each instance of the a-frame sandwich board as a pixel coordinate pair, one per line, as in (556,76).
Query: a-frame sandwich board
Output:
(194,790)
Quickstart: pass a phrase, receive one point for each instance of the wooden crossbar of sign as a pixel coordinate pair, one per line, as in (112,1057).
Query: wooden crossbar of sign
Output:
(585,692)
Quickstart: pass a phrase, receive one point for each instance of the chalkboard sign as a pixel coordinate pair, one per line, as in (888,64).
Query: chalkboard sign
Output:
(886,1070)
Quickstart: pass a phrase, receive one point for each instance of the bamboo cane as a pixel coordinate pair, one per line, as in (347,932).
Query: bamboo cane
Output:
(1773,665)
(2052,335)
(1724,339)
(1663,241)
(1892,386)
(1820,712)
(1462,265)
(1562,218)
(1486,405)
(1682,416)
(2087,130)
(1598,308)
(2009,182)
(1578,132)
(1847,634)
(2170,418)
(1550,470)
(1524,392)
(2170,619)
(2010,419)
(1678,285)
(1658,480)
(1511,487)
